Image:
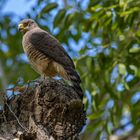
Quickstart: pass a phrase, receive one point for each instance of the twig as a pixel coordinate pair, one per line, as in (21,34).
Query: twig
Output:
(5,99)
(16,117)
(15,86)
(6,103)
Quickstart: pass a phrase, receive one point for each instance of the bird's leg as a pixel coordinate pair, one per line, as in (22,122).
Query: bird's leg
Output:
(38,80)
(44,77)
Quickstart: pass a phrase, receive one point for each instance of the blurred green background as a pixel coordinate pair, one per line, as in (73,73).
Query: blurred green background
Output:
(103,38)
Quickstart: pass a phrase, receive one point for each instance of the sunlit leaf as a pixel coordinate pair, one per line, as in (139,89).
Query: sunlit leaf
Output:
(122,69)
(134,50)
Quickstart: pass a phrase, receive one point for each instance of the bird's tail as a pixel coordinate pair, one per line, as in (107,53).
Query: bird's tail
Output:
(75,79)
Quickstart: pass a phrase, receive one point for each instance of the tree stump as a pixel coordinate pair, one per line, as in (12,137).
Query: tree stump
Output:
(50,110)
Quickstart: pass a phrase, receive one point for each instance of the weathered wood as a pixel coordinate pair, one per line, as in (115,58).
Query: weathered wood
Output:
(51,110)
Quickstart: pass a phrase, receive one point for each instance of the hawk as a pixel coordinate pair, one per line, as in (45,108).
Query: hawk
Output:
(46,55)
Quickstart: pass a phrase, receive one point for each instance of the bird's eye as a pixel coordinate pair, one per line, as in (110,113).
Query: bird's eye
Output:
(30,23)
(25,24)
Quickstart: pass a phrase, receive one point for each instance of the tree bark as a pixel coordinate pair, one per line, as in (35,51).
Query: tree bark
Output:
(49,110)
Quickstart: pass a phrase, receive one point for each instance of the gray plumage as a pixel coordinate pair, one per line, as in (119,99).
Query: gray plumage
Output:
(46,54)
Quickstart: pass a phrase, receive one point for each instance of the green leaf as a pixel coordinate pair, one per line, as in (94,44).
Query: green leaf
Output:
(95,8)
(49,7)
(122,69)
(59,18)
(96,115)
(138,33)
(125,84)
(122,14)
(134,68)
(89,63)
(134,50)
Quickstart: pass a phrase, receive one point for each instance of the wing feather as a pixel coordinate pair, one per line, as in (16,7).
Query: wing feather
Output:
(49,46)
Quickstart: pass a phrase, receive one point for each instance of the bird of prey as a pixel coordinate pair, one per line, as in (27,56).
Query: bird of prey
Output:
(46,55)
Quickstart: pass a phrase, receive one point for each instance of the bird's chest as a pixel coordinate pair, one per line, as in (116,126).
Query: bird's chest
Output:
(38,60)
(26,44)
(31,52)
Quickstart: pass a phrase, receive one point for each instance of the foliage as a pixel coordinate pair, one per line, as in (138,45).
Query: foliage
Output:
(104,38)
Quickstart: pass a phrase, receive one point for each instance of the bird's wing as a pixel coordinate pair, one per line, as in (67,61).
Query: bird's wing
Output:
(49,46)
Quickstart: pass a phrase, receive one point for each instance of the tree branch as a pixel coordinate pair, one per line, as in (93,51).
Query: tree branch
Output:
(51,110)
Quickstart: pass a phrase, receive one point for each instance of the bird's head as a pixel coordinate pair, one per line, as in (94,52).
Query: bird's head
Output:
(27,25)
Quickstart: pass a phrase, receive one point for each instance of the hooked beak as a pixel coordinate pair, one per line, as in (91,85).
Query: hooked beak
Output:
(21,27)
